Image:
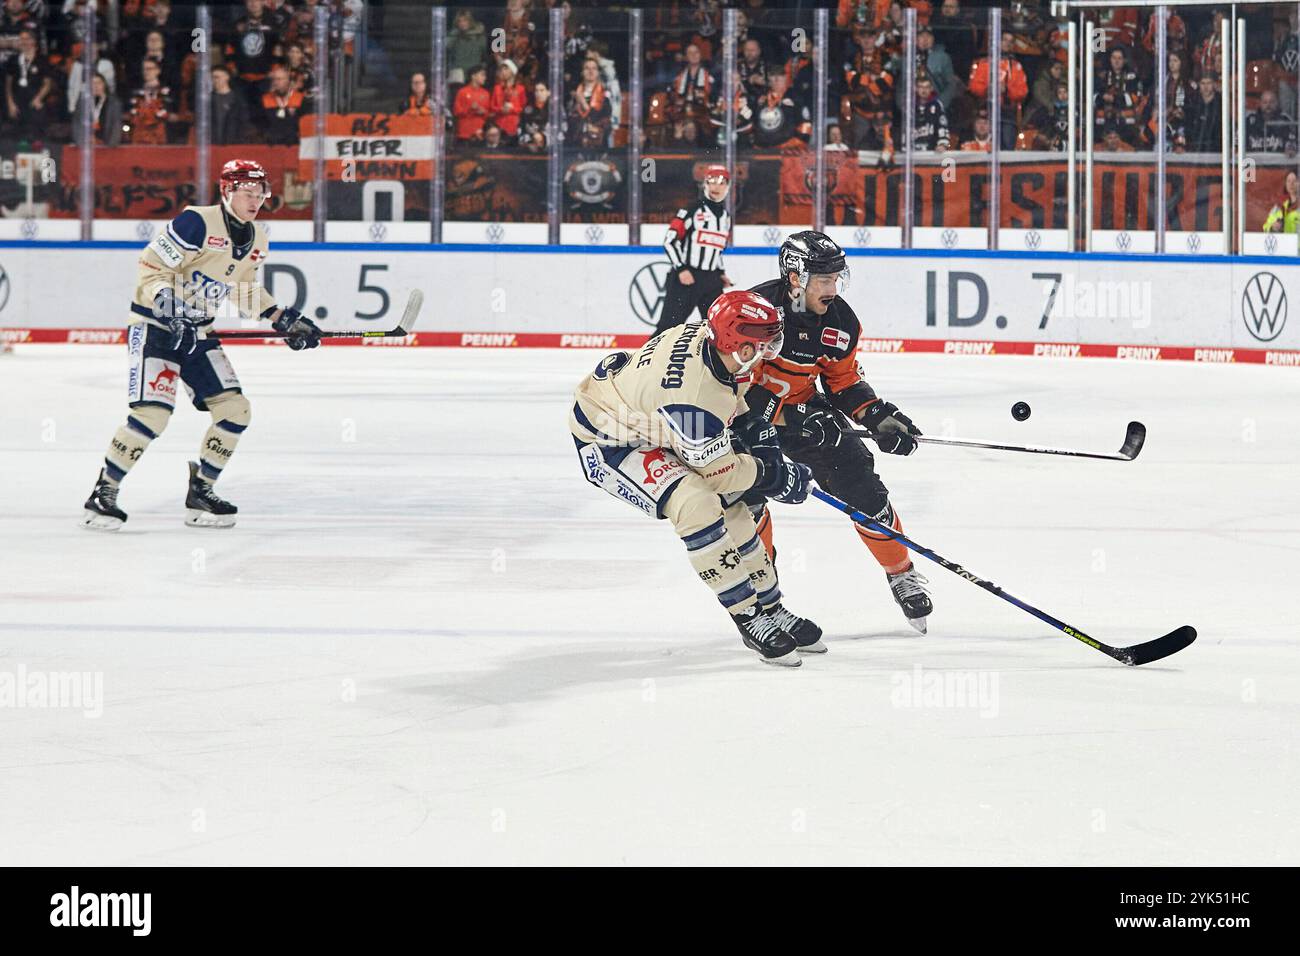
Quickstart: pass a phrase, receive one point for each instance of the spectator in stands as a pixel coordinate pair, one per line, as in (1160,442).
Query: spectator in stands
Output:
(281,107)
(252,49)
(1113,142)
(1180,91)
(1121,99)
(1051,122)
(778,119)
(493,138)
(931,124)
(869,87)
(690,95)
(1044,96)
(521,41)
(1268,129)
(1209,54)
(466,46)
(29,86)
(535,120)
(1013,88)
(301,75)
(1205,117)
(508,100)
(801,77)
(744,115)
(589,110)
(155,48)
(934,62)
(835,138)
(14,19)
(1285,215)
(152,108)
(106,115)
(956,34)
(753,70)
(1286,54)
(472,107)
(417,102)
(229,110)
(982,140)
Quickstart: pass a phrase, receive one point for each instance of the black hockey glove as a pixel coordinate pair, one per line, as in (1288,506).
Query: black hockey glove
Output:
(302,332)
(179,319)
(892,430)
(819,424)
(778,479)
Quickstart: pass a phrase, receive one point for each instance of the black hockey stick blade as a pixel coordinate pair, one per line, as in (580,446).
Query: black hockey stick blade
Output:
(1161,647)
(1134,439)
(404,325)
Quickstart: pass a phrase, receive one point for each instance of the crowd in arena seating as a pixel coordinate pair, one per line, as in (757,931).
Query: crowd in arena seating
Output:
(265,64)
(500,96)
(143,88)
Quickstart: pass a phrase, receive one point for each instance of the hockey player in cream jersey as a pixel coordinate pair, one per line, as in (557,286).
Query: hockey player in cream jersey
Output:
(655,429)
(206,256)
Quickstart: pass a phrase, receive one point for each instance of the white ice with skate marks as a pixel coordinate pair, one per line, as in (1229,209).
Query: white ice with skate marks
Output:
(428,639)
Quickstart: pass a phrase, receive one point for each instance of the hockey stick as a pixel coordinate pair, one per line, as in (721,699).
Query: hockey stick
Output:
(1134,438)
(409,315)
(1171,643)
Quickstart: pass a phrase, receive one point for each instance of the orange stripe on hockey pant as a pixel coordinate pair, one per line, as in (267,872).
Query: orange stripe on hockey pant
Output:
(891,555)
(764,529)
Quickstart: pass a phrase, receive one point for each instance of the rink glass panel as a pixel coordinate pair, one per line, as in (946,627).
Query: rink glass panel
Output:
(594,166)
(159,163)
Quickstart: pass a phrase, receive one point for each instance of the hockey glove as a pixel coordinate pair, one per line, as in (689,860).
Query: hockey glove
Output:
(301,332)
(817,423)
(792,483)
(893,431)
(178,317)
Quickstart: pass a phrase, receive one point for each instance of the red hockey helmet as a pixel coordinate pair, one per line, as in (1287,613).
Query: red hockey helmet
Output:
(239,172)
(718,171)
(741,317)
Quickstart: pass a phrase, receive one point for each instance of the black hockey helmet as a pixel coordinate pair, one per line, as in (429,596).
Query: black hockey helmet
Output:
(813,253)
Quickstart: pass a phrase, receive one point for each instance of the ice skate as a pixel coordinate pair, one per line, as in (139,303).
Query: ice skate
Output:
(806,634)
(910,593)
(102,512)
(761,633)
(204,509)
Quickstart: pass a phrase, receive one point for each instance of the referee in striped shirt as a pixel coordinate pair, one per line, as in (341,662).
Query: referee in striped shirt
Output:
(694,244)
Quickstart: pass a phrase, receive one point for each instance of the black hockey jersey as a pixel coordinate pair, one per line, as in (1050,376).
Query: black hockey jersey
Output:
(815,348)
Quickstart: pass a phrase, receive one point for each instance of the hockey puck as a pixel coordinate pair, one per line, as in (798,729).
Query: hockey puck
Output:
(1020,411)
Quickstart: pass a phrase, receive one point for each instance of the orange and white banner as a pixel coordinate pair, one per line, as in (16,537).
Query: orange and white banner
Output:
(364,146)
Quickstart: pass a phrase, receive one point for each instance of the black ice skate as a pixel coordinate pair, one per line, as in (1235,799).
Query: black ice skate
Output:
(760,632)
(102,512)
(806,634)
(204,508)
(910,593)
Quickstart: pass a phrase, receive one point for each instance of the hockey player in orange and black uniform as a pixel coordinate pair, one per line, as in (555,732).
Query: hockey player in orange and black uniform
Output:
(820,346)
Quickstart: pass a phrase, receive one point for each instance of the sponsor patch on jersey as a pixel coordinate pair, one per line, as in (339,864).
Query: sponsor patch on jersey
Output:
(158,381)
(257,255)
(835,338)
(166,250)
(218,242)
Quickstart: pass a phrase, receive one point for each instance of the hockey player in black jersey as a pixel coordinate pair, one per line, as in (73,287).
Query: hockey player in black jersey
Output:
(694,243)
(820,346)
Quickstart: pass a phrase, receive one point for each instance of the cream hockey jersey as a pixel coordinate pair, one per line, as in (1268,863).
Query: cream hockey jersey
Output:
(198,257)
(675,393)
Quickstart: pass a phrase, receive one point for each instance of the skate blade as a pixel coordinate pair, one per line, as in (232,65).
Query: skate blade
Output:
(816,647)
(918,623)
(92,521)
(205,519)
(785,660)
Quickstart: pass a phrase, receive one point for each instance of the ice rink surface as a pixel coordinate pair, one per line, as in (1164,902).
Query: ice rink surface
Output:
(429,640)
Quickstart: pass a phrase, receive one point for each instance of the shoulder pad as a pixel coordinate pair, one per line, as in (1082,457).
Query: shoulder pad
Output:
(188,230)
